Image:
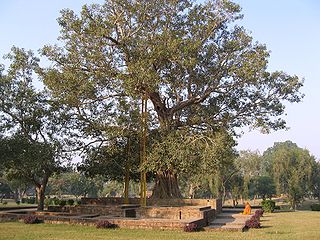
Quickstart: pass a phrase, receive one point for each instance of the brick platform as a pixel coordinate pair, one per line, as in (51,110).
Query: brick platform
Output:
(175,216)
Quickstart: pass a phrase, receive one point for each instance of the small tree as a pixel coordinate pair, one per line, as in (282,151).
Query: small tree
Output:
(31,122)
(32,162)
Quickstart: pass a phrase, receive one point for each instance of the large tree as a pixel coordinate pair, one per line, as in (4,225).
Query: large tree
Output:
(199,69)
(291,169)
(30,122)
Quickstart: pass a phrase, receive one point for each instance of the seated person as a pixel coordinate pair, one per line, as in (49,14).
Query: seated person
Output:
(247,209)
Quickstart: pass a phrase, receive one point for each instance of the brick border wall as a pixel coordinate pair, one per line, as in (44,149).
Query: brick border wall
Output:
(213,203)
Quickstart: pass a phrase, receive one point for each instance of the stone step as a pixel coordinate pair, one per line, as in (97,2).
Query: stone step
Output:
(203,208)
(227,228)
(232,210)
(227,221)
(233,215)
(89,215)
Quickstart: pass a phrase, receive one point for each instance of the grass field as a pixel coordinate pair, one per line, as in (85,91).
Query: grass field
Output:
(286,225)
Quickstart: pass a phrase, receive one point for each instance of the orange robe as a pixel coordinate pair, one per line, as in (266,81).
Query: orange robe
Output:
(247,209)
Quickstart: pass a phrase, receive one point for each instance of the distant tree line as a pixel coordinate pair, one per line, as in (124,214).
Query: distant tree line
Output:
(284,169)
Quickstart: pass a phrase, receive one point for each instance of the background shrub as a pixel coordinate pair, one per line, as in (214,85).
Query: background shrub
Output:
(253,222)
(258,213)
(62,203)
(31,200)
(31,219)
(56,201)
(105,224)
(70,202)
(191,227)
(268,205)
(315,207)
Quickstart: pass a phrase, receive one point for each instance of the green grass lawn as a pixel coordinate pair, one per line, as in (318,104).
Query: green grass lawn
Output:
(287,225)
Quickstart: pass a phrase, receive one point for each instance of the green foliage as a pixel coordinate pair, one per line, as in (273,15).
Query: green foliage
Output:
(291,169)
(113,160)
(48,202)
(315,179)
(70,202)
(26,159)
(248,166)
(62,203)
(191,153)
(56,201)
(315,207)
(4,188)
(264,186)
(74,183)
(268,205)
(113,188)
(31,200)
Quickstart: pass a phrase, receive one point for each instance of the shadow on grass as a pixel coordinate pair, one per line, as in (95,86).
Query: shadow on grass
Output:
(265,227)
(264,220)
(277,232)
(283,211)
(246,229)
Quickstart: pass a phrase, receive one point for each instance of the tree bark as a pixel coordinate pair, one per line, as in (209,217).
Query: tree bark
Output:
(40,197)
(41,188)
(166,186)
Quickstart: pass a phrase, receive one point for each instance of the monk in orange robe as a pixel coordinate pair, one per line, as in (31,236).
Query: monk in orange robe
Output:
(247,209)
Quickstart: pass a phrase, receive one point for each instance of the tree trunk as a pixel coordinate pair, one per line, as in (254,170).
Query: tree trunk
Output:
(41,188)
(40,197)
(126,187)
(191,191)
(166,186)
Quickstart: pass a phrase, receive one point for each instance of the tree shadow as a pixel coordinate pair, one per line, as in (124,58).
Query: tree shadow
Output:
(266,227)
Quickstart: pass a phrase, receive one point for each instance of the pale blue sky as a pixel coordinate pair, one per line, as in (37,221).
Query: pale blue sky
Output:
(289,28)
